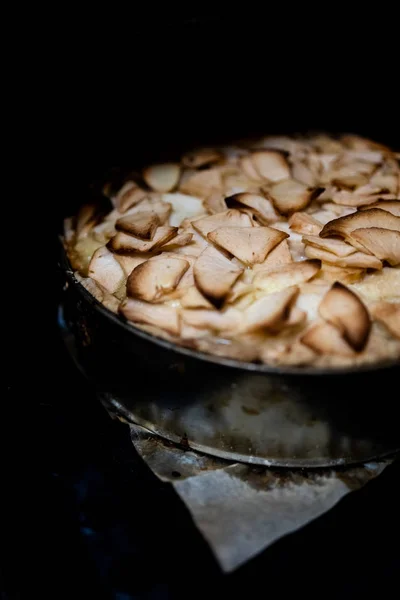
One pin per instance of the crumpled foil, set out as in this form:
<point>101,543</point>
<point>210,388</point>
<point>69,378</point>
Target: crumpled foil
<point>241,509</point>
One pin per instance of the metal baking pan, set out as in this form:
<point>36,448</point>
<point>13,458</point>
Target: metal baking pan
<point>199,93</point>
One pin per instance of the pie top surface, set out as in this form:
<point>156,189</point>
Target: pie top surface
<point>284,251</point>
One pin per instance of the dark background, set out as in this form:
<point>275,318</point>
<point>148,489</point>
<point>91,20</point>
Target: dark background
<point>82,516</point>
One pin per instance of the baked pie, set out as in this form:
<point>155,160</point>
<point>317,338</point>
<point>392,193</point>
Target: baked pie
<point>284,251</point>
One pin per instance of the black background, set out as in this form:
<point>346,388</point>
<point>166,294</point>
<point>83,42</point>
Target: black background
<point>82,515</point>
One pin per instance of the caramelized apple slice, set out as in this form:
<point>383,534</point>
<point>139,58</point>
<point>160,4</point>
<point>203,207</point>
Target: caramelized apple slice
<point>270,165</point>
<point>304,223</point>
<point>142,225</point>
<point>259,205</point>
<point>383,243</point>
<point>289,196</point>
<point>392,206</point>
<point>123,243</point>
<point>201,158</point>
<point>130,198</point>
<point>357,259</point>
<point>270,311</point>
<point>106,270</point>
<point>249,244</point>
<point>229,218</point>
<point>155,277</point>
<point>214,274</point>
<point>249,169</point>
<point>226,322</point>
<point>324,338</point>
<point>343,274</point>
<point>162,315</point>
<point>344,226</point>
<point>388,313</point>
<point>330,245</point>
<point>194,299</point>
<point>344,309</point>
<point>181,240</point>
<point>162,178</point>
<point>280,255</point>
<point>286,275</point>
<point>202,183</point>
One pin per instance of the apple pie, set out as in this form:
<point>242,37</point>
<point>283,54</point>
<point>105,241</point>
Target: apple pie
<point>283,250</point>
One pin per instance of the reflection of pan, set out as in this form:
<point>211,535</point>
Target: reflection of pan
<point>241,411</point>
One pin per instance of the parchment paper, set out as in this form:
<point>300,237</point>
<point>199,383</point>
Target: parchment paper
<point>240,509</point>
